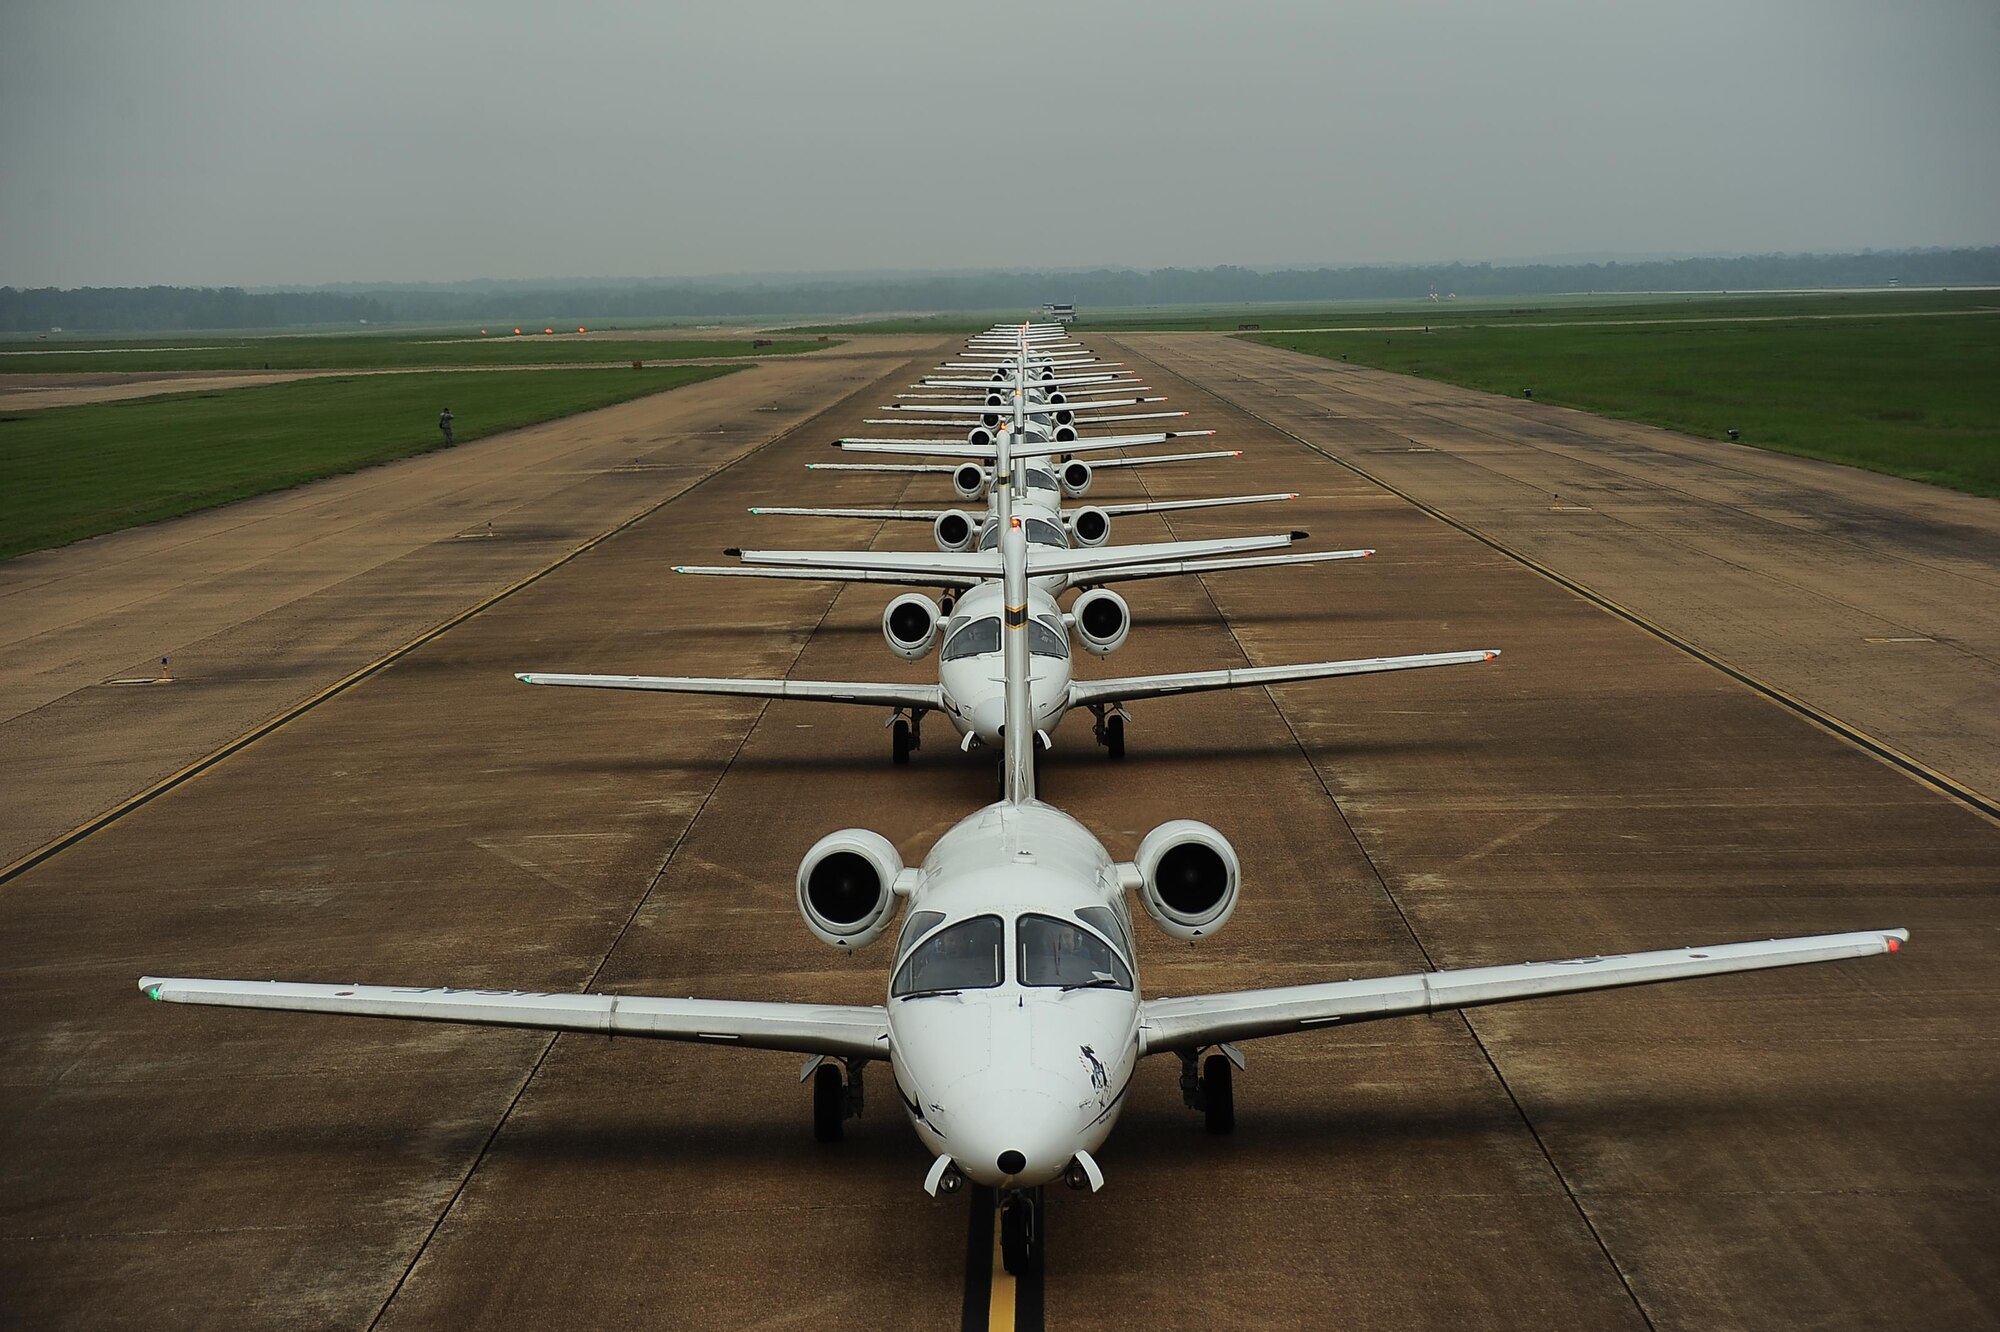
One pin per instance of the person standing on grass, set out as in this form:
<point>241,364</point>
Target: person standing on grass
<point>444,424</point>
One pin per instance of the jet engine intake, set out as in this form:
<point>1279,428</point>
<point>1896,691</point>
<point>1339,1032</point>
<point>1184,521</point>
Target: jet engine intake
<point>979,437</point>
<point>969,480</point>
<point>954,529</point>
<point>1090,527</point>
<point>1066,434</point>
<point>1189,878</point>
<point>910,624</point>
<point>1076,476</point>
<point>847,887</point>
<point>1102,621</point>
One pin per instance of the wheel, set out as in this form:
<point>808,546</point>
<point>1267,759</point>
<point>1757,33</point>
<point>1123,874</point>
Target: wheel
<point>829,1103</point>
<point>1114,736</point>
<point>1218,1093</point>
<point>1017,1234</point>
<point>899,742</point>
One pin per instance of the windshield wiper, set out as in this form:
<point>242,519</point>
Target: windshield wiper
<point>931,994</point>
<point>1098,981</point>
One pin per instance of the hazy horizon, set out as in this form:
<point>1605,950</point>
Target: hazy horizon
<point>219,143</point>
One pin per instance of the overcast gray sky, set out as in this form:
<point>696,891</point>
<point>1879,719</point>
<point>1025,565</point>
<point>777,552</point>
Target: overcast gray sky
<point>217,142</point>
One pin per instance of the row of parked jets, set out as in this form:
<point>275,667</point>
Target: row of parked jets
<point>1014,1021</point>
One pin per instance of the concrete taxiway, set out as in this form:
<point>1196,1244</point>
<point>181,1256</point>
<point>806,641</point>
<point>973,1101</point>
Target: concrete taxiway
<point>1799,1148</point>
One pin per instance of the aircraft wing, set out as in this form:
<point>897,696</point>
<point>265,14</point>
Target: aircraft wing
<point>1043,561</point>
<point>1141,461</point>
<point>885,515</point>
<point>1175,506</point>
<point>911,578</point>
<point>1131,573</point>
<point>1040,448</point>
<point>1032,409</point>
<point>817,691</point>
<point>1083,692</point>
<point>942,469</point>
<point>929,564</point>
<point>843,1031</point>
<point>1210,1019</point>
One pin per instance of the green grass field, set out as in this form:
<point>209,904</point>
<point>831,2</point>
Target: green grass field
<point>72,472</point>
<point>1912,397</point>
<point>366,352</point>
<point>1418,313</point>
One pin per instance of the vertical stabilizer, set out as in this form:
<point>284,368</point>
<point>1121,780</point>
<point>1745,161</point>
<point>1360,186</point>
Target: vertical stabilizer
<point>1018,733</point>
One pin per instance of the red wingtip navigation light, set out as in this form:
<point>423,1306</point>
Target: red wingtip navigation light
<point>579,328</point>
<point>548,330</point>
<point>1894,943</point>
<point>517,332</point>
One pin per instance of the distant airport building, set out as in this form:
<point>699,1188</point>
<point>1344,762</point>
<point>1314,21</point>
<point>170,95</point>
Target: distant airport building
<point>1062,313</point>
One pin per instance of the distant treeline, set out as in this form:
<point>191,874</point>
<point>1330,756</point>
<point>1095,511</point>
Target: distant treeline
<point>126,309</point>
<point>174,308</point>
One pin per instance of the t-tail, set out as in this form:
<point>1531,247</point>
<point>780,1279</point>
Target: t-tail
<point>1017,734</point>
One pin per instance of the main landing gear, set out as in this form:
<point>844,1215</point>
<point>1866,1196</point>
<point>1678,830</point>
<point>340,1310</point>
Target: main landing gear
<point>906,736</point>
<point>835,1099</point>
<point>1108,724</point>
<point>1209,1085</point>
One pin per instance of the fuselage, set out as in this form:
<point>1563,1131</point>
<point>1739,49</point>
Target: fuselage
<point>1013,1002</point>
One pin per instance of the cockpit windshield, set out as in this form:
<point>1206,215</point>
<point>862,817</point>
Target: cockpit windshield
<point>1038,479</point>
<point>1040,532</point>
<point>982,637</point>
<point>1062,952</point>
<point>973,638</point>
<point>965,956</point>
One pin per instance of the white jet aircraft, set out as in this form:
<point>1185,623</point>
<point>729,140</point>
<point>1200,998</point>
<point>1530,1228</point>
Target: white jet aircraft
<point>1013,1022</point>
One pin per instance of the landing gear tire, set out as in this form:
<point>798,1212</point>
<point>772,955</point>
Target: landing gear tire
<point>899,742</point>
<point>1019,1232</point>
<point>829,1103</point>
<point>1114,736</point>
<point>1218,1094</point>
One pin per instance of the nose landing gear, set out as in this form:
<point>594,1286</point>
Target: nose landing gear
<point>1021,1232</point>
<point>835,1099</point>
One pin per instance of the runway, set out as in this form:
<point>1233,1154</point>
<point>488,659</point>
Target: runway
<point>1797,1148</point>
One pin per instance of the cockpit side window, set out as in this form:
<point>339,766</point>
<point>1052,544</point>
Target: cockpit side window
<point>1041,480</point>
<point>973,638</point>
<point>1046,639</point>
<point>1061,952</point>
<point>965,956</point>
<point>1042,532</point>
<point>916,927</point>
<point>1107,923</point>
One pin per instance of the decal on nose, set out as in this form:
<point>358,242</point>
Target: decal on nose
<point>1011,1163</point>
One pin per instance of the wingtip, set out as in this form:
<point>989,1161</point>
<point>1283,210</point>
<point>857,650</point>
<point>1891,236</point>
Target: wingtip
<point>1493,655</point>
<point>734,551</point>
<point>1298,535</point>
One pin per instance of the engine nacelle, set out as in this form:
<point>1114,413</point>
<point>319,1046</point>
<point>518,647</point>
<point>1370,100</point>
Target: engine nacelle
<point>1056,395</point>
<point>995,400</point>
<point>979,437</point>
<point>1075,477</point>
<point>1102,621</point>
<point>1090,527</point>
<point>910,624</point>
<point>1189,875</point>
<point>847,887</point>
<point>954,529</point>
<point>1063,418</point>
<point>969,480</point>
<point>1066,434</point>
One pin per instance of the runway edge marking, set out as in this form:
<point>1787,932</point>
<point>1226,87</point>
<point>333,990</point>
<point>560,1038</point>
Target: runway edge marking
<point>55,847</point>
<point>1910,766</point>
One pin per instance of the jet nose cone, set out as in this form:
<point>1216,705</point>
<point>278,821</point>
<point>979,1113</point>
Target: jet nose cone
<point>1015,1138</point>
<point>988,716</point>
